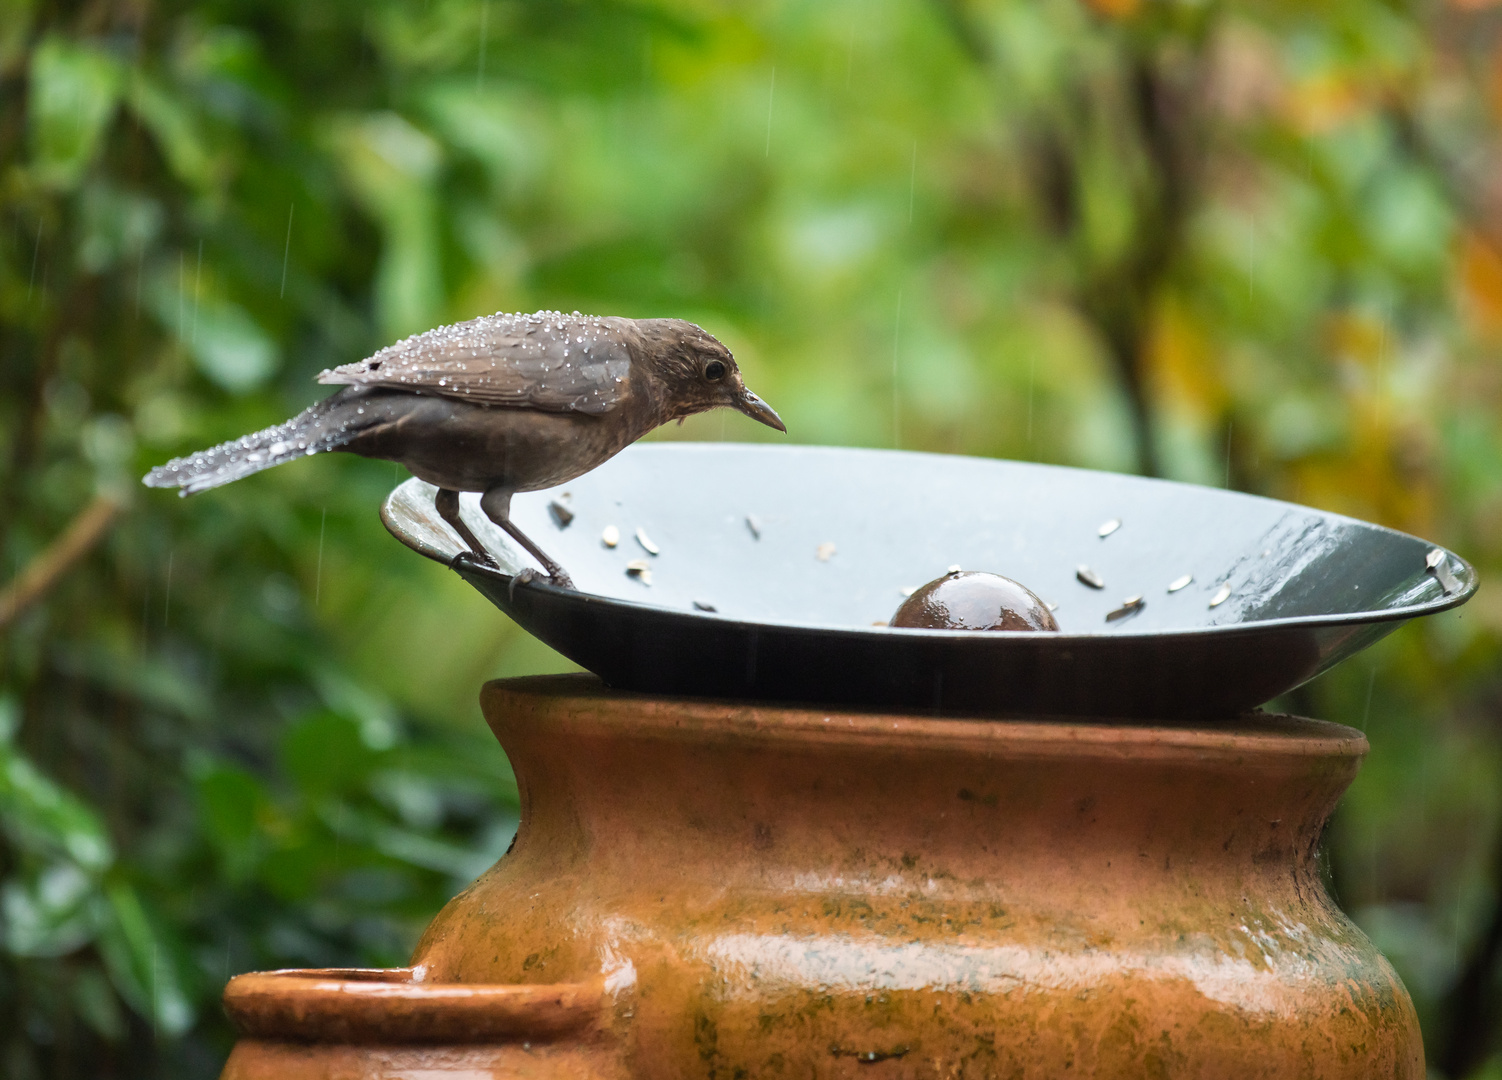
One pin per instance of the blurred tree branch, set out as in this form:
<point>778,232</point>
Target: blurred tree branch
<point>43,573</point>
<point>1117,294</point>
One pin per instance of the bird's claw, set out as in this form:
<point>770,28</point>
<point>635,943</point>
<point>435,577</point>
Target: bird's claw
<point>521,577</point>
<point>478,558</point>
<point>527,575</point>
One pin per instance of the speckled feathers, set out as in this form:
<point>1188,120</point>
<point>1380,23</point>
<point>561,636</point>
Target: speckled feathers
<point>548,360</point>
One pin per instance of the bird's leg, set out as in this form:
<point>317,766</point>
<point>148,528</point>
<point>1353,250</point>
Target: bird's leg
<point>497,506</point>
<point>446,502</point>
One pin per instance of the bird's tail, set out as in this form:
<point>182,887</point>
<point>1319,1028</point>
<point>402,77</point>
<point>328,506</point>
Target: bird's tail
<point>327,425</point>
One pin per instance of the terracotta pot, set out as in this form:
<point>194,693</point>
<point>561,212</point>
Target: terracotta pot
<point>731,890</point>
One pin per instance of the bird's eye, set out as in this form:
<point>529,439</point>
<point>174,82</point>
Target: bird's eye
<point>715,369</point>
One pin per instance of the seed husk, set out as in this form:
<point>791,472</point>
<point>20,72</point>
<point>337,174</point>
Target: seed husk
<point>824,552</point>
<point>1222,594</point>
<point>1130,606</point>
<point>1108,528</point>
<point>646,542</point>
<point>1438,565</point>
<point>1180,583</point>
<point>562,515</point>
<point>704,605</point>
<point>1089,577</point>
<point>753,523</point>
<point>641,570</point>
<point>611,536</point>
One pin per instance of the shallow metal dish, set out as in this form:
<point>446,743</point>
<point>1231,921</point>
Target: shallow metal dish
<point>842,532</point>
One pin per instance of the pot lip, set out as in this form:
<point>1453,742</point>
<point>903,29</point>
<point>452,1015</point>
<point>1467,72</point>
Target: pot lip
<point>580,704</point>
<point>397,1005</point>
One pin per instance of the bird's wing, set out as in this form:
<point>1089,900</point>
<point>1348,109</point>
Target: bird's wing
<point>547,360</point>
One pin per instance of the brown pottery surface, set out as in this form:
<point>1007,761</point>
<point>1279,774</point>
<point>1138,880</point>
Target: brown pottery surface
<point>720,889</point>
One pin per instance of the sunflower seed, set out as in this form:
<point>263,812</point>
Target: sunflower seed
<point>646,542</point>
<point>562,515</point>
<point>1180,583</point>
<point>824,552</point>
<point>754,524</point>
<point>1108,528</point>
<point>1222,594</point>
<point>611,536</point>
<point>1130,606</point>
<point>1439,566</point>
<point>1089,577</point>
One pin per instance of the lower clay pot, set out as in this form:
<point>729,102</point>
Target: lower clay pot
<point>729,890</point>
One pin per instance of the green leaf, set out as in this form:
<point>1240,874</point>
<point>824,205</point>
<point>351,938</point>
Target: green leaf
<point>226,344</point>
<point>51,913</point>
<point>326,755</point>
<point>175,130</point>
<point>98,1005</point>
<point>230,348</point>
<point>44,819</point>
<point>72,95</point>
<point>391,167</point>
<point>142,964</point>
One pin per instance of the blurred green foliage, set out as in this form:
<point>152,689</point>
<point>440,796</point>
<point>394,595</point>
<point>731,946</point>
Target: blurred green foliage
<point>1235,243</point>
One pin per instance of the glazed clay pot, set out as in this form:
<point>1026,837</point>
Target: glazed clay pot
<point>732,890</point>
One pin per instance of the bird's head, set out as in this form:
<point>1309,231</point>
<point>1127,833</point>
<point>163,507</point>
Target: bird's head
<point>693,372</point>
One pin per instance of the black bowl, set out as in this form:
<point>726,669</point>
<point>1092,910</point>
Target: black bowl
<point>803,552</point>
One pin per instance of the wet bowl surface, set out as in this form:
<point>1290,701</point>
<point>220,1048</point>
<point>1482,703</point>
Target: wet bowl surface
<point>800,550</point>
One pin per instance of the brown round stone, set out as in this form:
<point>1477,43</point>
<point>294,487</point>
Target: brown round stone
<point>973,600</point>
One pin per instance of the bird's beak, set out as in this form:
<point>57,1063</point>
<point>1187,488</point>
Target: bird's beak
<point>757,409</point>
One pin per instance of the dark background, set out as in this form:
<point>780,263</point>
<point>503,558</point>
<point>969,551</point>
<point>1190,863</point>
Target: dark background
<point>1255,245</point>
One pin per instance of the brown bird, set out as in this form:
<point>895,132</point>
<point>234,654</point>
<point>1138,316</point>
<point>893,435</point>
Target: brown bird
<point>499,404</point>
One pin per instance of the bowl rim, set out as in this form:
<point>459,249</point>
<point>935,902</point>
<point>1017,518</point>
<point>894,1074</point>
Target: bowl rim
<point>1466,573</point>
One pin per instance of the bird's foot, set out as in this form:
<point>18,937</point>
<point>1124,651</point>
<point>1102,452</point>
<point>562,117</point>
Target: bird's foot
<point>479,558</point>
<point>526,575</point>
<point>560,579</point>
<point>521,577</point>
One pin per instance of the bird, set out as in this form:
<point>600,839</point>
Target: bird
<point>499,404</point>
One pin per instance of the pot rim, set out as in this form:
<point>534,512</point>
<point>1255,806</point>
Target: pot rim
<point>1258,735</point>
<point>396,1005</point>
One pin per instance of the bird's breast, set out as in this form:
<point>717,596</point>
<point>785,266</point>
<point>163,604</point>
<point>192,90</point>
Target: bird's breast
<point>467,447</point>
